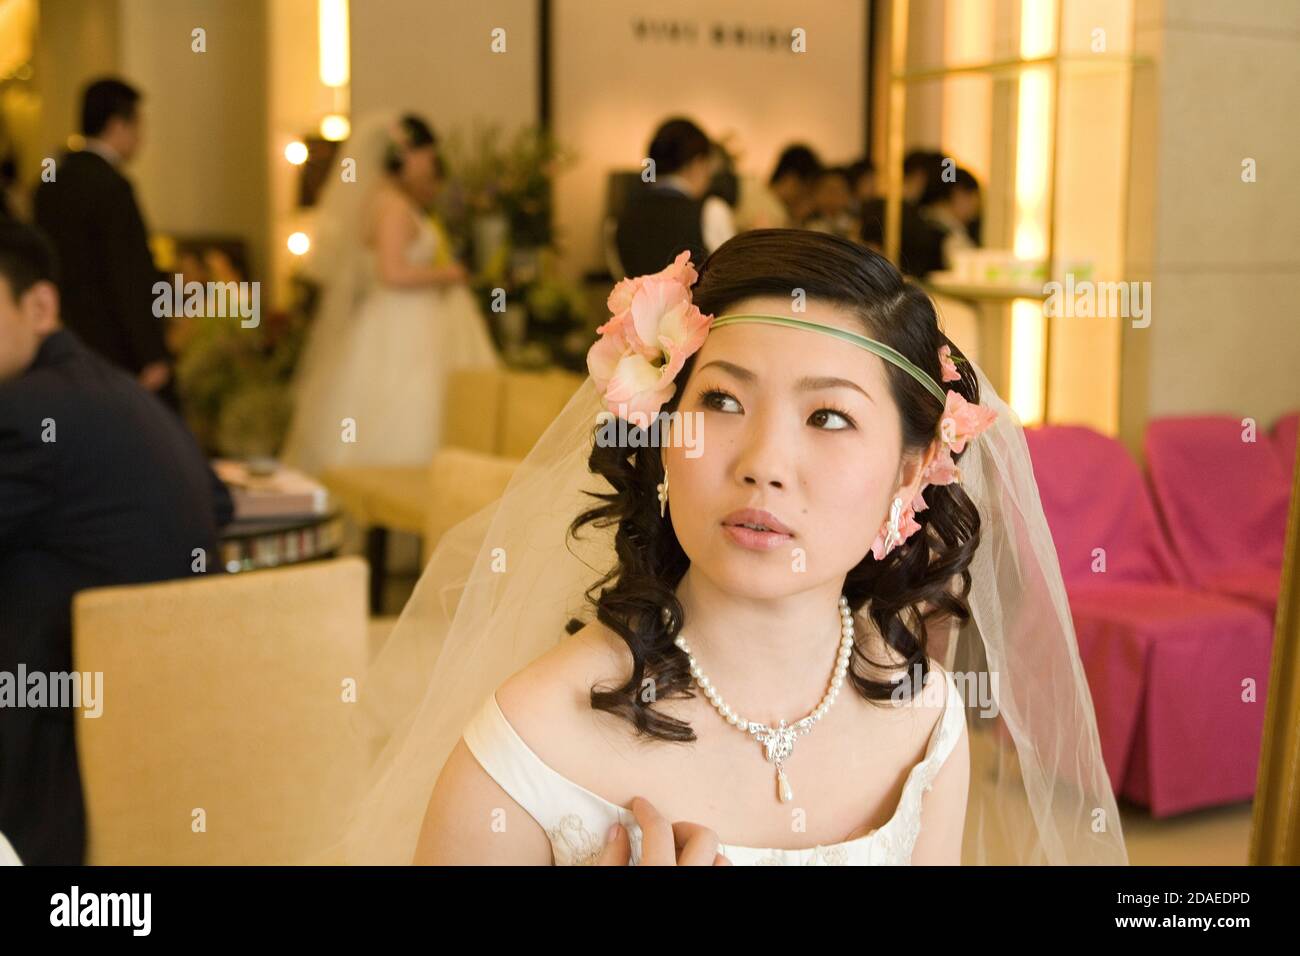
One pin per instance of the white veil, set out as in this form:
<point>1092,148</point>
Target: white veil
<point>337,263</point>
<point>1039,791</point>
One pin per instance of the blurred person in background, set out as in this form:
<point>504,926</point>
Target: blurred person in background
<point>786,199</point>
<point>90,212</point>
<point>676,210</point>
<point>100,484</point>
<point>920,242</point>
<point>862,179</point>
<point>833,203</point>
<point>396,314</point>
<point>953,208</point>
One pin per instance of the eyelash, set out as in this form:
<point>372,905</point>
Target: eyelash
<point>708,395</point>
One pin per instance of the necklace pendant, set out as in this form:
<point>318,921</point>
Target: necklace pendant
<point>783,791</point>
<point>778,743</point>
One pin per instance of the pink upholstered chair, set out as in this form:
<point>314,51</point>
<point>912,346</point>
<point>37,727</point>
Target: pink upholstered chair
<point>1165,661</point>
<point>1223,504</point>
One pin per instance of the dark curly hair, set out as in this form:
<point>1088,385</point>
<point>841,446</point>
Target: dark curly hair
<point>905,593</point>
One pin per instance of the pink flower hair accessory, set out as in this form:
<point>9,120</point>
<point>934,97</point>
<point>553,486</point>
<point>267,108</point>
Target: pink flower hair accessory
<point>960,423</point>
<point>654,329</point>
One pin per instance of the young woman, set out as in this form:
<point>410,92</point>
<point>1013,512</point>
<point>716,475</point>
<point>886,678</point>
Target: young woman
<point>396,314</point>
<point>804,620</point>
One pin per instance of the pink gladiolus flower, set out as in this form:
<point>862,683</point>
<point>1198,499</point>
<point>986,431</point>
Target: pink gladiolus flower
<point>644,346</point>
<point>962,421</point>
<point>942,470</point>
<point>681,270</point>
<point>950,373</point>
<point>907,526</point>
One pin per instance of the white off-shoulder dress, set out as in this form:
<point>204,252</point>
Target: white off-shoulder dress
<point>576,820</point>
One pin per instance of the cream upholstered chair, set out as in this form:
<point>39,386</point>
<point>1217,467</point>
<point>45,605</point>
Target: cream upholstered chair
<point>492,411</point>
<point>461,483</point>
<point>224,704</point>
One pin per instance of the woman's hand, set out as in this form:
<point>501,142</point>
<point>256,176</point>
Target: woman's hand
<point>662,843</point>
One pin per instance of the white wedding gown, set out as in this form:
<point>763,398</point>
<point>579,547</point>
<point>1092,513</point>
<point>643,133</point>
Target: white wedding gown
<point>388,370</point>
<point>575,819</point>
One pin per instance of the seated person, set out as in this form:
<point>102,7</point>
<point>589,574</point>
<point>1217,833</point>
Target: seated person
<point>833,204</point>
<point>100,484</point>
<point>955,206</point>
<point>920,241</point>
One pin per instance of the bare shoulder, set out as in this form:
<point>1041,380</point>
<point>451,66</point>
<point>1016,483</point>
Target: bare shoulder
<point>389,209</point>
<point>553,691</point>
<point>471,820</point>
<point>547,703</point>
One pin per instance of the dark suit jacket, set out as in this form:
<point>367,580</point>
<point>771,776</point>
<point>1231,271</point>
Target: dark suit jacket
<point>106,286</point>
<point>121,495</point>
<point>657,224</point>
<point>921,244</point>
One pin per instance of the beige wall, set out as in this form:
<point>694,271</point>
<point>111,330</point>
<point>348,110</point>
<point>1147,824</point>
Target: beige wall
<point>202,168</point>
<point>1225,255</point>
<point>434,57</point>
<point>77,41</point>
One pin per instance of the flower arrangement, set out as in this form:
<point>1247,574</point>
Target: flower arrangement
<point>235,382</point>
<point>489,174</point>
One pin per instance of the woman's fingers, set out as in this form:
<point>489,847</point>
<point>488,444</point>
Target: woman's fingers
<point>663,843</point>
<point>657,845</point>
<point>618,848</point>
<point>696,844</point>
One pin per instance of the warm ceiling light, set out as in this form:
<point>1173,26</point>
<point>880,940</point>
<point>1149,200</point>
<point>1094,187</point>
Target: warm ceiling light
<point>332,22</point>
<point>296,152</point>
<point>335,128</point>
<point>299,243</point>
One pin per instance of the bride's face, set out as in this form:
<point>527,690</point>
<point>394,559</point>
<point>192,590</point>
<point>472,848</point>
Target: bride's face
<point>795,423</point>
<point>419,172</point>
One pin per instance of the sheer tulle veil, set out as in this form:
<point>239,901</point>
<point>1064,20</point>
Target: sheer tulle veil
<point>336,263</point>
<point>500,587</point>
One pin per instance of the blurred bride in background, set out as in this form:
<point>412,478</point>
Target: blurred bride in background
<point>395,312</point>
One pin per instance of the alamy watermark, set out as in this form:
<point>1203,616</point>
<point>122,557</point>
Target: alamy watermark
<point>976,689</point>
<point>629,429</point>
<point>1084,298</point>
<point>54,689</point>
<point>214,300</point>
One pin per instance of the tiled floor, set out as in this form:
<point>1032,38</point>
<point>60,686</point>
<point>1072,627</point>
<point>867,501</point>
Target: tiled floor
<point>1216,837</point>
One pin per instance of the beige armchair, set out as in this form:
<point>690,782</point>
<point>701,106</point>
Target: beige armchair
<point>492,413</point>
<point>227,734</point>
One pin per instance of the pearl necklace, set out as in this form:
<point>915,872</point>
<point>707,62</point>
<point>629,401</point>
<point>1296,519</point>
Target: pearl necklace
<point>778,742</point>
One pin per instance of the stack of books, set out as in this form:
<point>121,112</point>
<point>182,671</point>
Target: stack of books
<point>282,516</point>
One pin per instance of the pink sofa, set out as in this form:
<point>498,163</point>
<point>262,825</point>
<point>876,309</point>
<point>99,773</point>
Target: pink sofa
<point>1165,659</point>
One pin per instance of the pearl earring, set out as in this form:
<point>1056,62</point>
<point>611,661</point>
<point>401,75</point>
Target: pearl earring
<point>662,488</point>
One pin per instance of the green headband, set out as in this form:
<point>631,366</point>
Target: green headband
<point>871,345</point>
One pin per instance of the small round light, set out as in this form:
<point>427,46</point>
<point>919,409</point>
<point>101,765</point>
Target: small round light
<point>299,243</point>
<point>296,152</point>
<point>335,128</point>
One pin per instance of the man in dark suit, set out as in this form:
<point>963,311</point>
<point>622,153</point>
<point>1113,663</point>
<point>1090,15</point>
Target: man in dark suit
<point>90,212</point>
<point>100,484</point>
<point>920,242</point>
<point>666,216</point>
